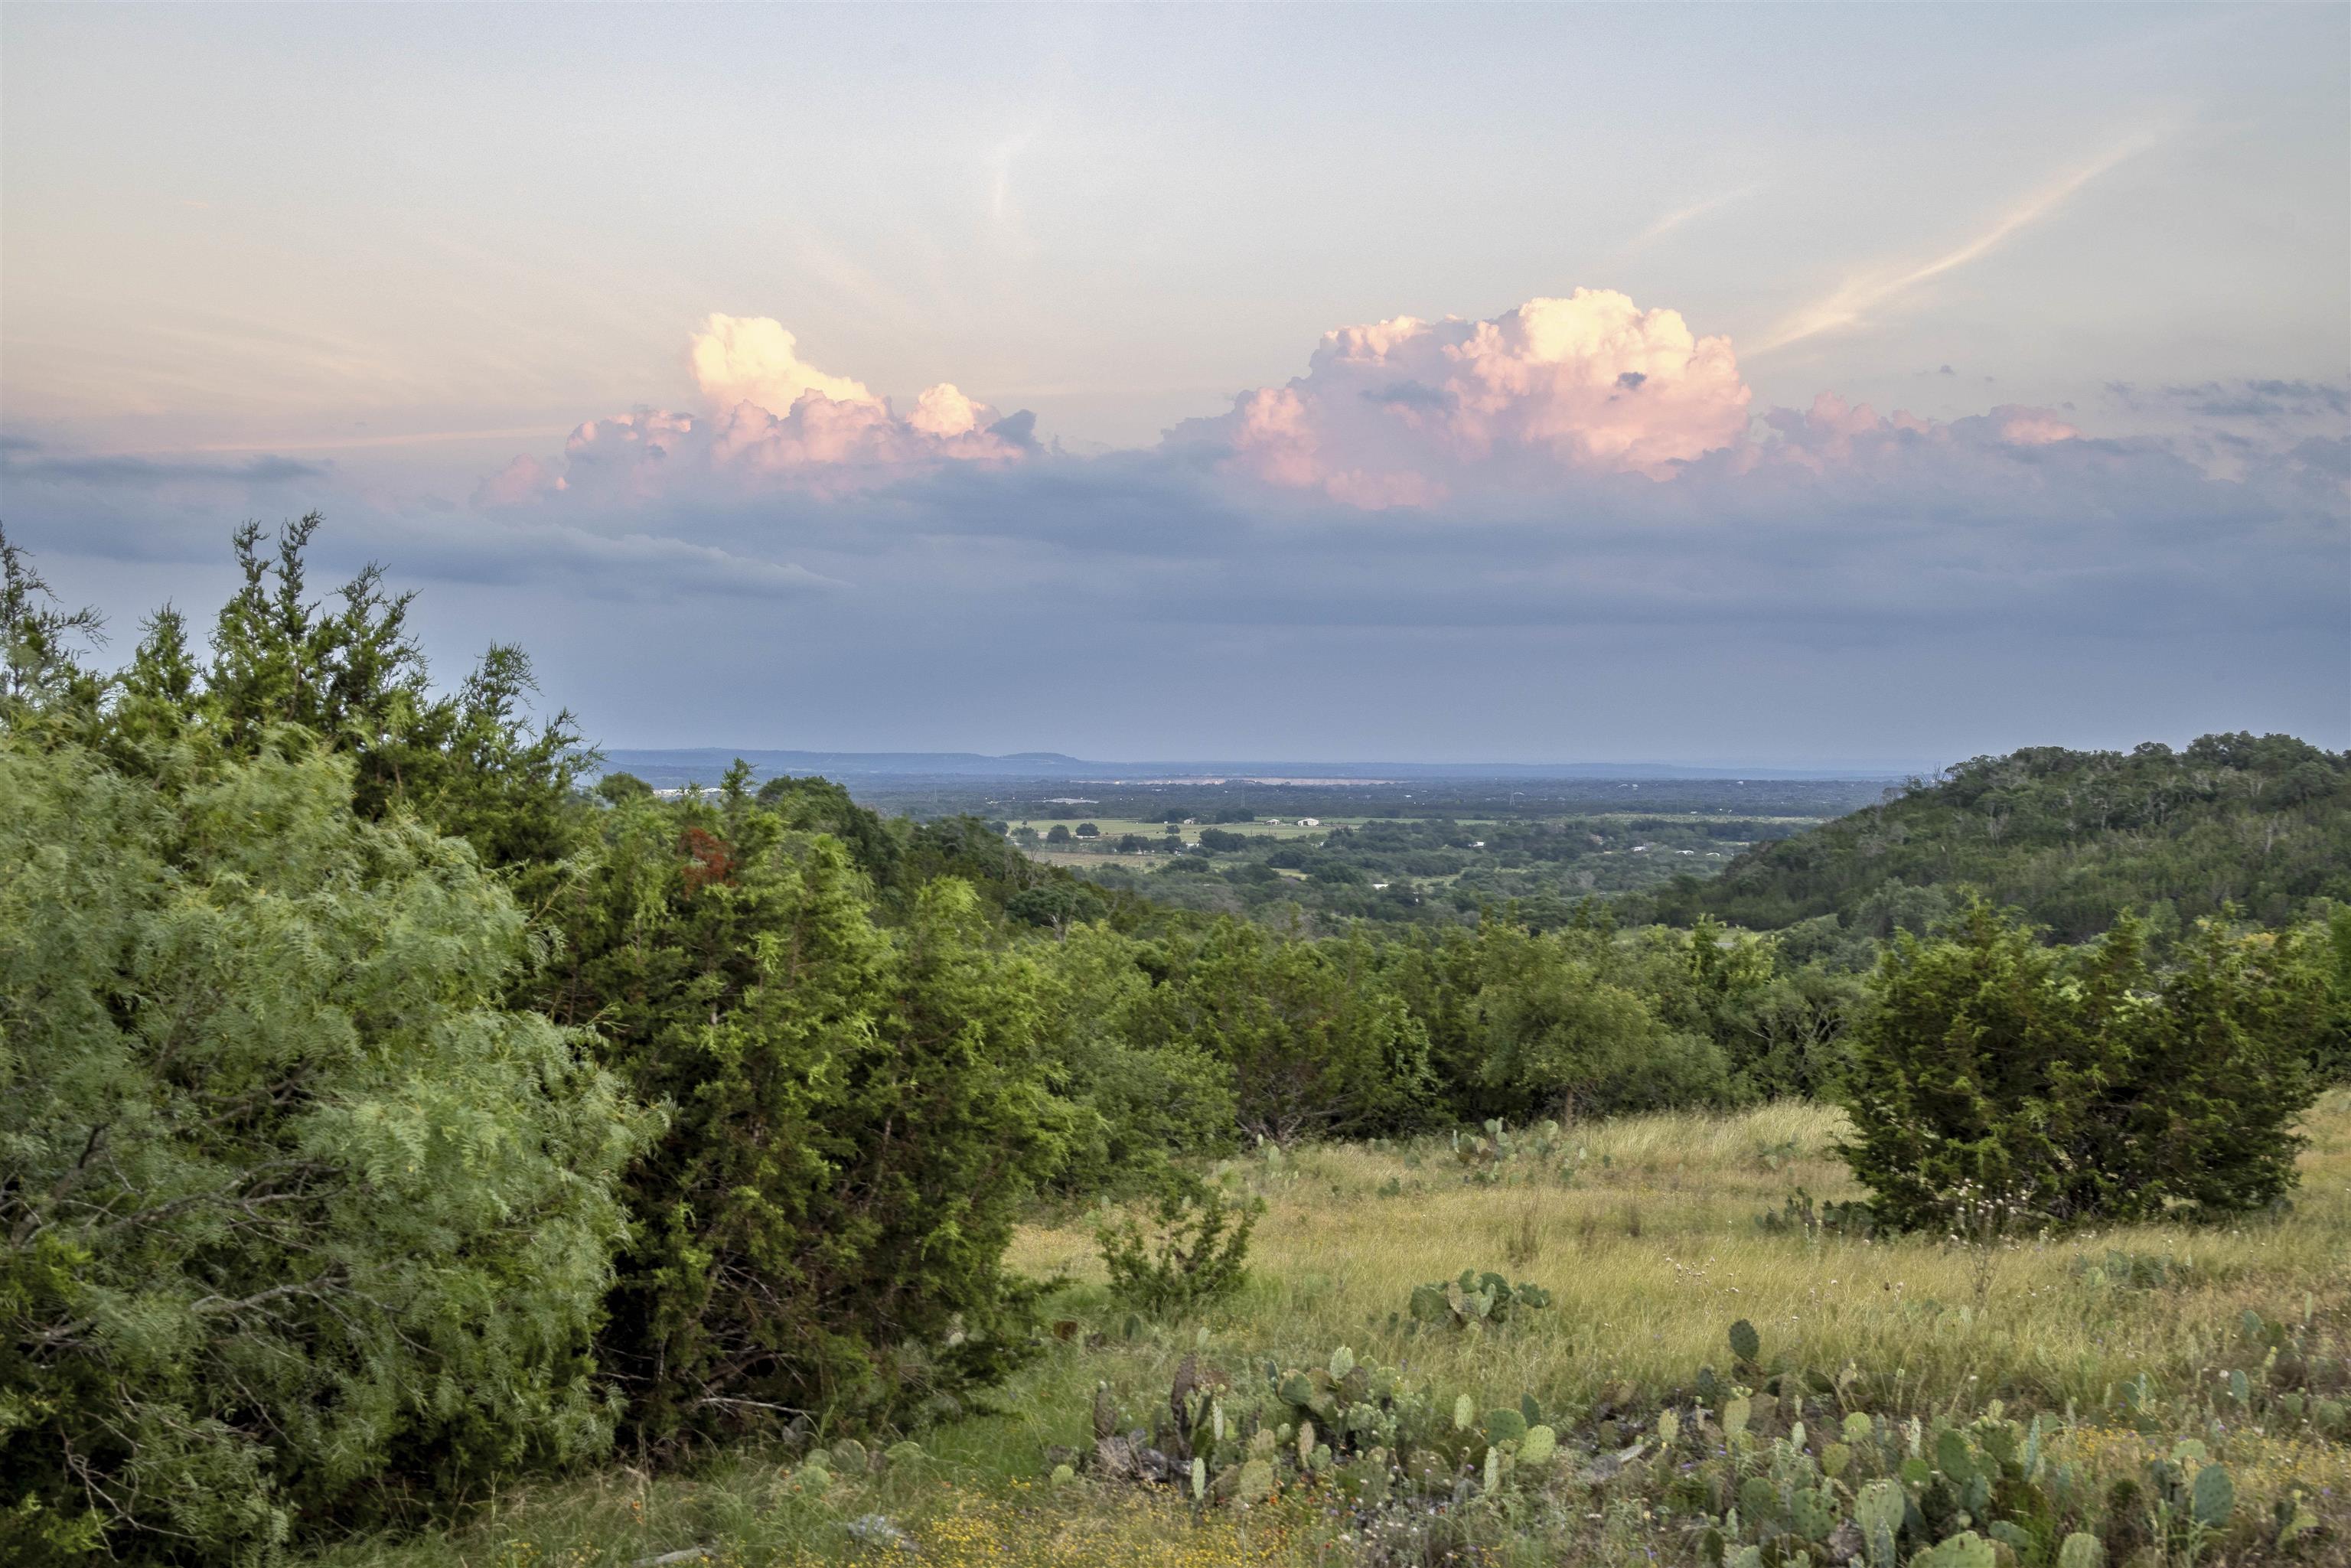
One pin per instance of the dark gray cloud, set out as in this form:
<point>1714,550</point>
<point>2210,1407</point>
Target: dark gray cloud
<point>124,471</point>
<point>2263,399</point>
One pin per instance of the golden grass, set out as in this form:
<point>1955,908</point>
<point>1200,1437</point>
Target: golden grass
<point>1650,1254</point>
<point>1654,1250</point>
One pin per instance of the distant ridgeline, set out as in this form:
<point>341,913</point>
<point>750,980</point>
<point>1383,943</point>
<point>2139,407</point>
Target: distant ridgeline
<point>2074,838</point>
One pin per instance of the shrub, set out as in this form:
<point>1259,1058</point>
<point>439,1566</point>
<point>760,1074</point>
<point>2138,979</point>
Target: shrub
<point>1196,1254</point>
<point>1998,1083</point>
<point>297,1218</point>
<point>1133,1106</point>
<point>1315,1042</point>
<point>860,1110</point>
<point>1561,1038</point>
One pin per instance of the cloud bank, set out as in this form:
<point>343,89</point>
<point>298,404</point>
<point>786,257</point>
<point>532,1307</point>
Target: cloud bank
<point>1579,399</point>
<point>1547,533</point>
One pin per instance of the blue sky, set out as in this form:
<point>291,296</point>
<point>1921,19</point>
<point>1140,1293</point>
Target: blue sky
<point>1945,379</point>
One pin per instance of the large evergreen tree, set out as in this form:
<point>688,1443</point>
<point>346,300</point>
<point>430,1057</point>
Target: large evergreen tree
<point>859,1110</point>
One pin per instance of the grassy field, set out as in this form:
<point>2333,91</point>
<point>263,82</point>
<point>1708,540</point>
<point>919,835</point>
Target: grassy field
<point>1645,1233</point>
<point>1096,852</point>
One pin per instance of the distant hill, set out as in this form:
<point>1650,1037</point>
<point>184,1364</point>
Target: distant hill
<point>2074,838</point>
<point>708,764</point>
<point>705,765</point>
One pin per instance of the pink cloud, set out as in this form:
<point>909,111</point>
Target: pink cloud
<point>751,359</point>
<point>1400,413</point>
<point>2033,427</point>
<point>1590,383</point>
<point>769,416</point>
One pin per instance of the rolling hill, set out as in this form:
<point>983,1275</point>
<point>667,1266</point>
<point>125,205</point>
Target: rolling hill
<point>2074,838</point>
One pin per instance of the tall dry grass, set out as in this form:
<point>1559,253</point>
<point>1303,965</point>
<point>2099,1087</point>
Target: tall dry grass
<point>1654,1249</point>
<point>1650,1253</point>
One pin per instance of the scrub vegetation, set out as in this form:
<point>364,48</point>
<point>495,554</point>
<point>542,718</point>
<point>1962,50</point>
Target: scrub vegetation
<point>420,1147</point>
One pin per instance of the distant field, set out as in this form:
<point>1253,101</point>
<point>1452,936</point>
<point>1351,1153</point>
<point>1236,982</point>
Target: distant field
<point>1114,827</point>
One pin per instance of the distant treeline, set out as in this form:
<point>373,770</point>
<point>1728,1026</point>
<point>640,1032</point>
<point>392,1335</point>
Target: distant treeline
<point>1469,799</point>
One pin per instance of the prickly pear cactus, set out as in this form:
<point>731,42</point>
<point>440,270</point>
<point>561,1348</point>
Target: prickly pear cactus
<point>1538,1446</point>
<point>1965,1550</point>
<point>2214,1496</point>
<point>2082,1550</point>
<point>1879,1511</point>
<point>1745,1342</point>
<point>1811,1515</point>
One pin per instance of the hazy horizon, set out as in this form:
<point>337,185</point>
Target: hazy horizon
<point>1500,768</point>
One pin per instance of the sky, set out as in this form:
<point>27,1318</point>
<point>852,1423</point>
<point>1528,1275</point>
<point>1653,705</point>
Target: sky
<point>1447,383</point>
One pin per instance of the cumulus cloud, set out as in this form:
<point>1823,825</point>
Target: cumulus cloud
<point>768,417</point>
<point>1566,408</point>
<point>1398,412</point>
<point>751,359</point>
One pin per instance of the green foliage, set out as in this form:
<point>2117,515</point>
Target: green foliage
<point>2076,839</point>
<point>1563,1035</point>
<point>42,680</point>
<point>1799,1215</point>
<point>860,1072</point>
<point>1502,1156</point>
<point>1998,1085</point>
<point>300,1221</point>
<point>1134,1105</point>
<point>859,1110</point>
<point>352,677</point>
<point>1314,1043</point>
<point>1196,1254</point>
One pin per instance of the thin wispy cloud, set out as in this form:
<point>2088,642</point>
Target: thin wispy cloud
<point>1003,208</point>
<point>1676,219</point>
<point>1854,300</point>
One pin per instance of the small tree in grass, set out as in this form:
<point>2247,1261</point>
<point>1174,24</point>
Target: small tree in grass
<point>2000,1084</point>
<point>1197,1253</point>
